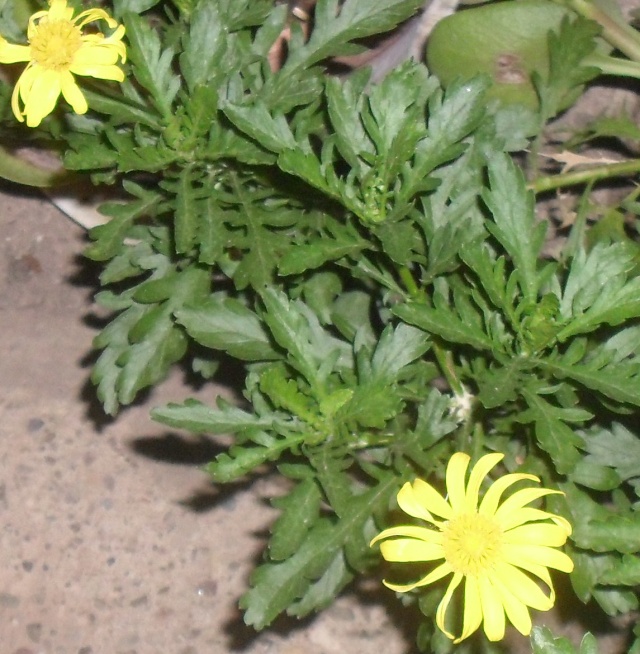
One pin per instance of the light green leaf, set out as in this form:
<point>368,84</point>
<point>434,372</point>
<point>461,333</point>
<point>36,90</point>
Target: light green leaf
<point>271,132</point>
<point>512,207</point>
<point>617,532</point>
<point>444,322</point>
<point>200,418</point>
<point>228,325</point>
<point>300,510</point>
<point>552,432</point>
<point>242,459</point>
<point>204,44</point>
<point>152,65</point>
<point>597,290</point>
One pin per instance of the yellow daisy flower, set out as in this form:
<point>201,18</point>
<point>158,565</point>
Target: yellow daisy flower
<point>494,547</point>
<point>58,49</point>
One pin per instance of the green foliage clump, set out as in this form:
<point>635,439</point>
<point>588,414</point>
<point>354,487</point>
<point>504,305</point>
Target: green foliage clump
<point>370,256</point>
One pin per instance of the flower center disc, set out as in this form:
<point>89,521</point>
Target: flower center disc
<point>55,43</point>
<point>472,543</point>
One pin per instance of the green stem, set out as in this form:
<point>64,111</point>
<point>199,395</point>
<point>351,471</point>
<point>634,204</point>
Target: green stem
<point>445,360</point>
<point>409,282</point>
<point>620,35</point>
<point>594,174</point>
<point>614,65</point>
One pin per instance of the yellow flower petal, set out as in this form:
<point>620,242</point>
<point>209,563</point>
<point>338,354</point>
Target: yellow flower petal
<point>544,556</point>
<point>536,534</point>
<point>95,55</point>
<point>11,54</point>
<point>519,500</point>
<point>456,471</point>
<point>72,94</point>
<point>58,10</point>
<point>41,97</point>
<point>493,495</point>
<point>410,550</point>
<point>492,610</point>
<point>523,588</point>
<point>113,73</point>
<point>409,531</point>
<point>528,514</point>
<point>437,574</point>
<point>516,610</point>
<point>427,496</point>
<point>411,504</point>
<point>477,476</point>
<point>472,618</point>
<point>92,15</point>
<point>441,612</point>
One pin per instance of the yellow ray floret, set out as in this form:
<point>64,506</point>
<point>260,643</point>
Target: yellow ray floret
<point>494,549</point>
<point>59,49</point>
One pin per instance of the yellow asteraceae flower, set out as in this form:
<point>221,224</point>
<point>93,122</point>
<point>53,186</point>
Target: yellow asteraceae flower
<point>493,547</point>
<point>57,51</point>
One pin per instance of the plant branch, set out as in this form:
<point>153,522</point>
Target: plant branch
<point>595,174</point>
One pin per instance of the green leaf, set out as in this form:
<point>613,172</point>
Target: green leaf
<point>344,241</point>
<point>205,45</point>
<point>125,367</point>
<point>288,585</point>
<point>228,325</point>
<point>512,208</point>
<point>396,349</point>
<point>298,332</point>
<point>617,382</point>
<point>598,291</point>
<point>120,7</point>
<point>344,103</point>
<point>544,642</point>
<point>433,423</point>
<point>152,66</point>
<point>616,448</point>
<point>626,573</point>
<point>241,459</point>
<point>335,26</point>
<point>108,238</point>
<point>595,476</point>
<point>552,432</point>
<point>324,591</point>
<point>372,405</point>
<point>616,601</point>
<point>142,343</point>
<point>617,532</point>
<point>120,109</point>
<point>271,132</point>
<point>300,510</point>
<point>464,326</point>
<point>284,394</point>
<point>186,214</point>
<point>200,418</point>
<point>575,40</point>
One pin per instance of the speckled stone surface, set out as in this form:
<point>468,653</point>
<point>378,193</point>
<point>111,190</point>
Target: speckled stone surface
<point>112,539</point>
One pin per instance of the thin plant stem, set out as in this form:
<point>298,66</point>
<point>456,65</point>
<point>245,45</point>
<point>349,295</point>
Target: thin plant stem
<point>594,174</point>
<point>445,360</point>
<point>613,65</point>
